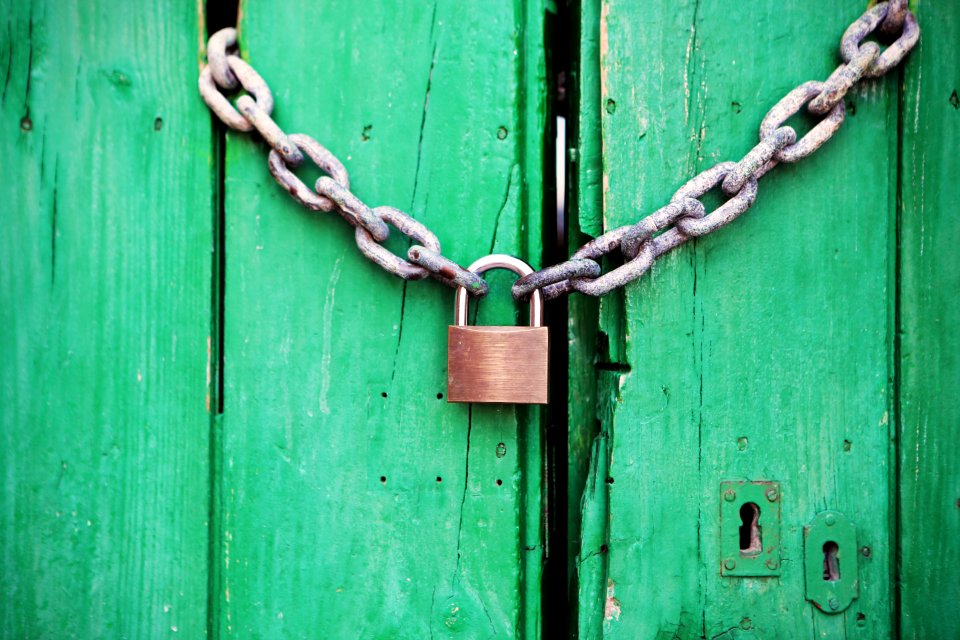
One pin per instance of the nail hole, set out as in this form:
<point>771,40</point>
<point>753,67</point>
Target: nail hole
<point>502,133</point>
<point>609,480</point>
<point>383,394</point>
<point>737,107</point>
<point>831,563</point>
<point>501,450</point>
<point>26,124</point>
<point>499,482</point>
<point>611,106</point>
<point>439,479</point>
<point>439,396</point>
<point>742,443</point>
<point>750,543</point>
<point>846,445</point>
<point>603,548</point>
<point>861,620</point>
<point>157,123</point>
<point>383,479</point>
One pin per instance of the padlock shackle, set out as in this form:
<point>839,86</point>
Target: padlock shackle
<point>499,261</point>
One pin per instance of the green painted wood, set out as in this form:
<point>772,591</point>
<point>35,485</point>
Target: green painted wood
<point>356,502</point>
<point>583,208</point>
<point>929,347</point>
<point>762,352</point>
<point>105,314</point>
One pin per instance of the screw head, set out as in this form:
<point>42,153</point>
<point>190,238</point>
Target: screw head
<point>865,551</point>
<point>772,563</point>
<point>729,564</point>
<point>729,495</point>
<point>834,604</point>
<point>830,519</point>
<point>772,494</point>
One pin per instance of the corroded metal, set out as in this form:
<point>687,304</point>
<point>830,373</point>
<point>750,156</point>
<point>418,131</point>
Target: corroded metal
<point>407,226</point>
<point>447,271</point>
<point>497,364</point>
<point>217,47</point>
<point>573,268</point>
<point>866,24</point>
<point>843,78</point>
<point>226,71</point>
<point>757,159</point>
<point>817,136</point>
<point>725,213</point>
<point>893,22</point>
<point>633,269</point>
<point>321,157</point>
<point>352,208</point>
<point>218,103</point>
<point>641,243</point>
<point>269,130</point>
<point>658,220</point>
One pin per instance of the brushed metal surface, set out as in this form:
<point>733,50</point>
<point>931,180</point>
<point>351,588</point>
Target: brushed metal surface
<point>497,364</point>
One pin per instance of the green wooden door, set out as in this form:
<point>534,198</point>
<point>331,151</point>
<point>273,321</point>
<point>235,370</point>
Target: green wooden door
<point>805,344</point>
<point>220,420</point>
<point>401,515</point>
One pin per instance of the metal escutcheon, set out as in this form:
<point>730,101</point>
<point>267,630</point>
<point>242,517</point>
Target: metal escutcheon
<point>497,364</point>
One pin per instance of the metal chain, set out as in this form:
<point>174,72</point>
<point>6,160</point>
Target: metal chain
<point>641,244</point>
<point>685,217</point>
<point>225,71</point>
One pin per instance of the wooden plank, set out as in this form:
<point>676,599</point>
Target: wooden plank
<point>105,308</point>
<point>749,354</point>
<point>355,500</point>
<point>584,210</point>
<point>929,347</point>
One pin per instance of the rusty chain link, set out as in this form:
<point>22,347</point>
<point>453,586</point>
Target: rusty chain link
<point>640,244</point>
<point>226,72</point>
<point>685,217</point>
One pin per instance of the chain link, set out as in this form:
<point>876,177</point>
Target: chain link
<point>325,161</point>
<point>789,105</point>
<point>226,72</point>
<point>642,243</point>
<point>410,228</point>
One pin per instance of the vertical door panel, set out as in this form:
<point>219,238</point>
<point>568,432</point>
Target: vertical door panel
<point>929,348</point>
<point>105,315</point>
<point>760,352</point>
<point>355,501</point>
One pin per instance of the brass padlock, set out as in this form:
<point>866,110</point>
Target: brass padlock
<point>497,364</point>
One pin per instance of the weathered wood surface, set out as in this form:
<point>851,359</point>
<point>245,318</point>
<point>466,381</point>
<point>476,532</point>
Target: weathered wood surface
<point>354,500</point>
<point>768,349</point>
<point>929,353</point>
<point>105,315</point>
<point>811,342</point>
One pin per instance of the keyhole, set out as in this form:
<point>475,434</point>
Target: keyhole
<point>750,543</point>
<point>831,563</point>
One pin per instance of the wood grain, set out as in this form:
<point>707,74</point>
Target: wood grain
<point>929,354</point>
<point>105,315</point>
<point>761,352</point>
<point>356,501</point>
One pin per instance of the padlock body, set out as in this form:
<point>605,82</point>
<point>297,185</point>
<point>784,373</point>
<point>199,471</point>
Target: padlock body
<point>497,364</point>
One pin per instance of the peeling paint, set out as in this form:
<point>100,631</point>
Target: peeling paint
<point>611,610</point>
